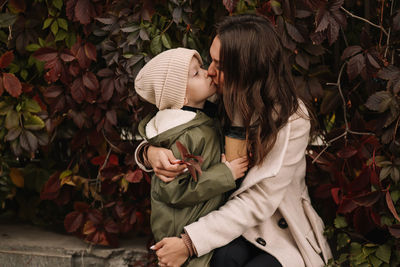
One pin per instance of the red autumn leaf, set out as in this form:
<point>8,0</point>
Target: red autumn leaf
<point>81,206</point>
<point>121,210</point>
<point>55,68</point>
<point>346,152</point>
<point>11,84</point>
<point>95,216</point>
<point>90,81</point>
<point>230,5</point>
<point>6,59</point>
<point>83,10</point>
<point>110,226</point>
<point>367,199</point>
<point>73,221</point>
<point>395,230</point>
<point>346,206</point>
<point>18,5</point>
<point>90,51</point>
<point>182,150</point>
<point>46,54</point>
<point>27,88</point>
<point>67,56</point>
<point>99,160</point>
<point>51,188</point>
<point>78,90</point>
<point>335,192</point>
<point>135,176</point>
<point>391,207</point>
<point>74,68</point>
<point>1,86</point>
<point>53,91</point>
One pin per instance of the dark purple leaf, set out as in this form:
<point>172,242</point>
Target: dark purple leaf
<point>53,91</point>
<point>294,32</point>
<point>111,116</point>
<point>355,66</point>
<point>90,81</point>
<point>13,133</point>
<point>379,101</point>
<point>107,88</point>
<point>303,60</point>
<point>28,141</point>
<point>78,90</point>
<point>351,51</point>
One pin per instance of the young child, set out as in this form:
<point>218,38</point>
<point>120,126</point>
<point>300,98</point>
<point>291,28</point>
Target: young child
<point>175,82</point>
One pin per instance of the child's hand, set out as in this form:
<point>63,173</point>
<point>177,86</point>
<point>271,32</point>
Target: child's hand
<point>238,166</point>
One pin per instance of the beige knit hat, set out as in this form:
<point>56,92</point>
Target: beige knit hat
<point>163,80</point>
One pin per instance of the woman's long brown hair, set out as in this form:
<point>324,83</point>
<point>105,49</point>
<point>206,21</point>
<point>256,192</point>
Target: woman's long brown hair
<point>258,83</point>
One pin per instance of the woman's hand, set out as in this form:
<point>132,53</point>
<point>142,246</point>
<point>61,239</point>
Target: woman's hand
<point>171,252</point>
<point>238,166</point>
<point>164,163</point>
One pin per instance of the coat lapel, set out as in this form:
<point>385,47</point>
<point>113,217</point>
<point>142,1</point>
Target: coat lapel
<point>271,164</point>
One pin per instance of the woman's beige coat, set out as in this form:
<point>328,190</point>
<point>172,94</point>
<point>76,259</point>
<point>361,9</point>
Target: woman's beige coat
<point>272,208</point>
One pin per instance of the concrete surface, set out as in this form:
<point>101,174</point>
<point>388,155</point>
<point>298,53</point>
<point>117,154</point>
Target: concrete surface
<point>26,245</point>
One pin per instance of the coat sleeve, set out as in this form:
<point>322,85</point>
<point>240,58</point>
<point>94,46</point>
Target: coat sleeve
<point>215,180</point>
<point>257,203</point>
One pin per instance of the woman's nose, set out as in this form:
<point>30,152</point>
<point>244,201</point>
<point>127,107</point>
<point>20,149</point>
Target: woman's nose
<point>211,70</point>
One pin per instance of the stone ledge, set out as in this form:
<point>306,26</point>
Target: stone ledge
<point>26,245</point>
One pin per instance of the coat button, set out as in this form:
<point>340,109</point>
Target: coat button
<point>261,241</point>
<point>282,223</point>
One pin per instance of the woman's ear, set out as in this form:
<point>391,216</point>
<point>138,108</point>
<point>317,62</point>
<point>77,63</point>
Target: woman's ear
<point>185,101</point>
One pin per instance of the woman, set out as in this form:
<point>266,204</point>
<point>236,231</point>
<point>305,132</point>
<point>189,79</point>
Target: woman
<point>268,220</point>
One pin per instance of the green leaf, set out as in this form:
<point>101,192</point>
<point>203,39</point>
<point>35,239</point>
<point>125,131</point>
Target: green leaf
<point>71,39</point>
<point>32,47</point>
<point>54,27</point>
<point>342,240</point>
<point>395,195</point>
<point>30,105</point>
<point>375,261</point>
<point>47,23</point>
<point>62,23</point>
<point>340,222</point>
<point>33,122</point>
<point>61,35</point>
<point>383,252</point>
<point>58,4</point>
<point>41,42</point>
<point>155,45</point>
<point>5,107</point>
<point>385,172</point>
<point>166,41</point>
<point>12,119</point>
<point>24,74</point>
<point>7,19</point>
<point>65,173</point>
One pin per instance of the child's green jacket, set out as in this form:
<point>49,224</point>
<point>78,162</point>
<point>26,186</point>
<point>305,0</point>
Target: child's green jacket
<point>183,201</point>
